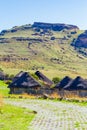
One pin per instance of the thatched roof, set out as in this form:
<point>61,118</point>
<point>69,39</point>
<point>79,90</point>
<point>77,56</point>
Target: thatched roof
<point>43,78</point>
<point>77,84</point>
<point>23,79</point>
<point>18,75</point>
<point>66,80</point>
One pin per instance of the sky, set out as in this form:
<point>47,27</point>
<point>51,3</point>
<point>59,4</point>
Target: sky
<point>21,12</point>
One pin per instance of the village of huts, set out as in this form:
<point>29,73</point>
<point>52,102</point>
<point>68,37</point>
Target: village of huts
<point>23,82</point>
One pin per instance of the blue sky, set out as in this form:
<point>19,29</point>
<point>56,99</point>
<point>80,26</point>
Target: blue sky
<point>20,12</point>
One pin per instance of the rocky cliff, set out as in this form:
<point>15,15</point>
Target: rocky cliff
<point>54,27</point>
<point>81,40</point>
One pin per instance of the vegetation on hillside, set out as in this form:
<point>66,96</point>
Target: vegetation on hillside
<point>30,49</point>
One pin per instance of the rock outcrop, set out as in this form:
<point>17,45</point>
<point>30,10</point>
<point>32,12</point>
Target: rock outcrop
<point>81,40</point>
<point>15,29</point>
<point>54,27</point>
<point>4,40</point>
<point>40,25</point>
<point>27,39</point>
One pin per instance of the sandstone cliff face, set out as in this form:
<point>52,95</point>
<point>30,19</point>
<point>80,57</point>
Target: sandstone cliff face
<point>81,40</point>
<point>54,27</point>
<point>40,25</point>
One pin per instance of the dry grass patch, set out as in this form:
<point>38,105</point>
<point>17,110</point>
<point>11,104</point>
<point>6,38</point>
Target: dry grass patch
<point>55,95</point>
<point>24,96</point>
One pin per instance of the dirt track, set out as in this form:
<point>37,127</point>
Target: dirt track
<point>54,115</point>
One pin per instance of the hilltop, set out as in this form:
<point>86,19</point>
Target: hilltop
<point>52,48</point>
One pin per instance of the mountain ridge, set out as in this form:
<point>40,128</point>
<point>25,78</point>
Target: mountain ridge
<point>42,25</point>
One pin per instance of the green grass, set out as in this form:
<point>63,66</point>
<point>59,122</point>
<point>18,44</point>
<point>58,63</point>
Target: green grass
<point>15,118</point>
<point>77,124</point>
<point>4,91</point>
<point>78,101</point>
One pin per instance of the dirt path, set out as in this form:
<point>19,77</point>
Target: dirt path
<point>54,115</point>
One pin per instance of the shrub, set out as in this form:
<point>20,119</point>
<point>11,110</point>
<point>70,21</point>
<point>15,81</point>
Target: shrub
<point>1,69</point>
<point>9,77</point>
<point>56,80</point>
<point>8,82</point>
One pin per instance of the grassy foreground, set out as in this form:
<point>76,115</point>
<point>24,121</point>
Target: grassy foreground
<point>4,90</point>
<point>11,117</point>
<point>15,118</point>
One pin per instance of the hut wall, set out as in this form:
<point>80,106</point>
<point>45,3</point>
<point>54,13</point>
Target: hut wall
<point>18,90</point>
<point>23,90</point>
<point>82,93</point>
<point>47,91</point>
<point>35,91</point>
<point>68,94</point>
<point>41,91</point>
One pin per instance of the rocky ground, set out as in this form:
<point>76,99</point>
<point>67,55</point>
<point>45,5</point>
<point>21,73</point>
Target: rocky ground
<point>54,115</point>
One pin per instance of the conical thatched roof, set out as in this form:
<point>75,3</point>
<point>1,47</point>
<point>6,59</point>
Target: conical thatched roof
<point>66,80</point>
<point>43,78</point>
<point>77,84</point>
<point>18,75</point>
<point>23,79</point>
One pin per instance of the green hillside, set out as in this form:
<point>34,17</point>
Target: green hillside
<point>30,48</point>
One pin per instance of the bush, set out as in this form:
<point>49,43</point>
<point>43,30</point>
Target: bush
<point>9,77</point>
<point>1,69</point>
<point>56,80</point>
<point>8,82</point>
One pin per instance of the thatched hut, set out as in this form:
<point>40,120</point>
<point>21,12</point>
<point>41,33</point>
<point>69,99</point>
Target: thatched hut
<point>66,80</point>
<point>70,87</point>
<point>79,85</point>
<point>23,83</point>
<point>59,88</point>
<point>42,77</point>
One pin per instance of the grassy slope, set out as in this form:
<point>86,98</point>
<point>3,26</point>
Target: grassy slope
<point>68,62</point>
